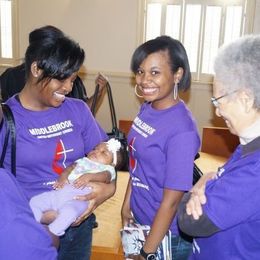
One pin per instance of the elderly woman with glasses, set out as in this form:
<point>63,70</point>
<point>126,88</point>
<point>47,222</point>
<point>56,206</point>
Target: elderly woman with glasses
<point>222,211</point>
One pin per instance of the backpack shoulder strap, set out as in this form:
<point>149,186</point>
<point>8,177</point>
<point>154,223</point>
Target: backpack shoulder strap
<point>10,131</point>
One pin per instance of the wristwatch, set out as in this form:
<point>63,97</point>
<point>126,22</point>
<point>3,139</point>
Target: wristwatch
<point>147,256</point>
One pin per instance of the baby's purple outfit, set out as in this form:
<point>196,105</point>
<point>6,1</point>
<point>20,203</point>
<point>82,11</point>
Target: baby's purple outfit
<point>62,201</point>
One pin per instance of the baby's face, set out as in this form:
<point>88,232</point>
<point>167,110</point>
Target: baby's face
<point>101,154</point>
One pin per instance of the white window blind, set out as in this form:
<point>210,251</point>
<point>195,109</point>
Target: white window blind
<point>6,31</point>
<point>201,25</point>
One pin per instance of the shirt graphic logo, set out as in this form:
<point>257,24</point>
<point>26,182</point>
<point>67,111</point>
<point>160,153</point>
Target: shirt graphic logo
<point>60,156</point>
<point>132,160</point>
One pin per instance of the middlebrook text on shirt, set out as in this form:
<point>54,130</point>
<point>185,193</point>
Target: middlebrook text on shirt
<point>52,130</point>
<point>146,129</point>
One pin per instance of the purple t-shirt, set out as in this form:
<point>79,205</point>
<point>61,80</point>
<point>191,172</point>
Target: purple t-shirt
<point>233,205</point>
<point>50,140</point>
<point>21,237</point>
<point>162,145</point>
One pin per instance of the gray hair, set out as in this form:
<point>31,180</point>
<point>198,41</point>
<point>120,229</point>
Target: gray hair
<point>237,66</point>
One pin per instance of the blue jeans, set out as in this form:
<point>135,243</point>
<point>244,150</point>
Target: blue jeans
<point>77,241</point>
<point>181,248</point>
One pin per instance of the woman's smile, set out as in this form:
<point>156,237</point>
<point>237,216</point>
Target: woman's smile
<point>149,90</point>
<point>58,96</point>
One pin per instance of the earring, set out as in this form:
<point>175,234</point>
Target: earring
<point>175,91</point>
<point>136,86</point>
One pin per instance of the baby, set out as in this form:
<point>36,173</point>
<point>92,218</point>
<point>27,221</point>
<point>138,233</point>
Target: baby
<point>98,166</point>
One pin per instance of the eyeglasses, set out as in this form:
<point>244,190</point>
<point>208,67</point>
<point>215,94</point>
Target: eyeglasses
<point>215,100</point>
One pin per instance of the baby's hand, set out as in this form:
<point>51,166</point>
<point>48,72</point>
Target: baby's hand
<point>63,179</point>
<point>85,179</point>
<point>60,182</point>
<point>82,181</point>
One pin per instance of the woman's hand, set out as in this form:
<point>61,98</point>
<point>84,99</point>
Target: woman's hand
<point>100,193</point>
<point>101,80</point>
<point>198,197</point>
<point>126,216</point>
<point>126,213</point>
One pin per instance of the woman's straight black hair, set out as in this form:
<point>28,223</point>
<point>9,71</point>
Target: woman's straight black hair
<point>177,57</point>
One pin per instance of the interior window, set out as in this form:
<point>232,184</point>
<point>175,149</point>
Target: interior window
<point>201,25</point>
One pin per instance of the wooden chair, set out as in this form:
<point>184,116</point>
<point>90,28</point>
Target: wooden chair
<point>125,125</point>
<point>218,141</point>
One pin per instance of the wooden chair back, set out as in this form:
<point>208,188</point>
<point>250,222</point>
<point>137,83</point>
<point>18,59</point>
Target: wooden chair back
<point>218,141</point>
<point>125,125</point>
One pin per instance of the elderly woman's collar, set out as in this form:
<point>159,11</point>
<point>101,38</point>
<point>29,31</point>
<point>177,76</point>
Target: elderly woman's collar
<point>250,133</point>
<point>251,147</point>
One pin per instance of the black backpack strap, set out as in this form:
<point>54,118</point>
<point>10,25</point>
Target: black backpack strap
<point>111,105</point>
<point>197,173</point>
<point>7,134</point>
<point>10,131</point>
<point>94,102</point>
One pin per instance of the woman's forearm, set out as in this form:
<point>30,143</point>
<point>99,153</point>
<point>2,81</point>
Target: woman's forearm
<point>109,190</point>
<point>126,214</point>
<point>163,219</point>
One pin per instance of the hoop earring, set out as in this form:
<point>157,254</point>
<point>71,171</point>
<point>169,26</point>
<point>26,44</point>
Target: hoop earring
<point>175,91</point>
<point>136,86</point>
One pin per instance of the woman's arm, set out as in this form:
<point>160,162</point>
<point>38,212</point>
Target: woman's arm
<point>198,198</point>
<point>126,214</point>
<point>100,193</point>
<point>201,227</point>
<point>191,218</point>
<point>163,219</point>
<point>100,80</point>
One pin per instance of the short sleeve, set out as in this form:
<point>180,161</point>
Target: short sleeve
<point>181,151</point>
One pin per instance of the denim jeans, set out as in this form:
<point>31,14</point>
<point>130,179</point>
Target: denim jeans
<point>76,243</point>
<point>181,248</point>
